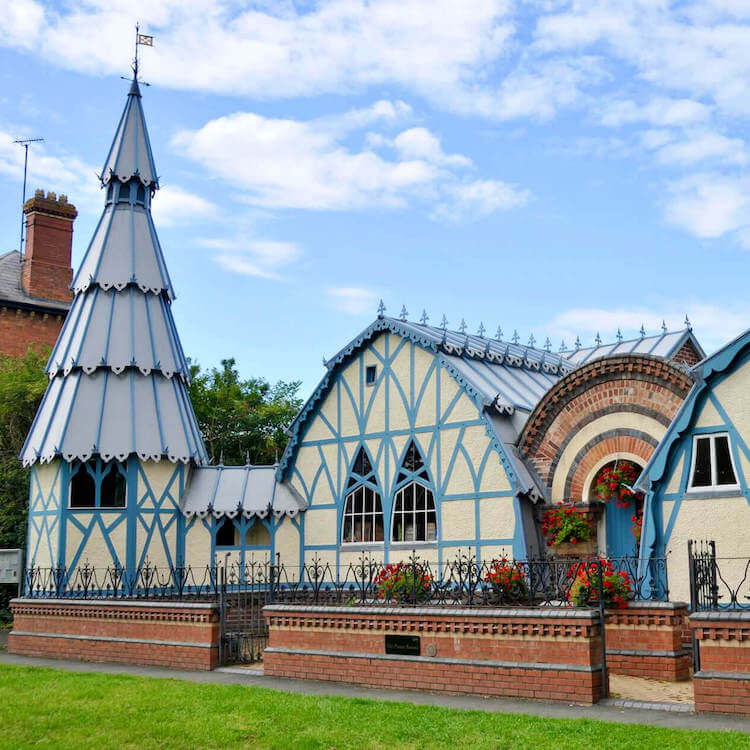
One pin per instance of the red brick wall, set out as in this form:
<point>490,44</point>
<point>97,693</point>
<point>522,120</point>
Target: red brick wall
<point>545,654</point>
<point>645,640</point>
<point>644,385</point>
<point>688,355</point>
<point>46,271</point>
<point>168,634</point>
<point>723,683</point>
<point>21,329</point>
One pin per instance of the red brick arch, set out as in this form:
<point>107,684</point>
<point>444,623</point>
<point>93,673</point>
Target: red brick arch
<point>634,384</point>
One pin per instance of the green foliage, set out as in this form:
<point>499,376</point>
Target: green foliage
<point>53,708</point>
<point>22,384</point>
<point>241,418</point>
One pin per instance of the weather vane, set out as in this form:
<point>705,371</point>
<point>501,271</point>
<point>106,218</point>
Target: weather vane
<point>140,40</point>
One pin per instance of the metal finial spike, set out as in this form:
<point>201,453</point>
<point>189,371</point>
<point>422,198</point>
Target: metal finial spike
<point>688,324</point>
<point>247,458</point>
<point>404,314</point>
<point>325,361</point>
<point>664,326</point>
<point>547,345</point>
<point>381,309</point>
<point>221,458</point>
<point>598,339</point>
<point>642,331</point>
<point>462,327</point>
<point>444,322</point>
<point>499,334</point>
<point>515,338</point>
<point>619,335</point>
<point>481,330</point>
<point>425,317</point>
<point>532,341</point>
<point>578,343</point>
<point>562,346</point>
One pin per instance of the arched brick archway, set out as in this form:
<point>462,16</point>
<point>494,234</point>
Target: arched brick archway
<point>614,405</point>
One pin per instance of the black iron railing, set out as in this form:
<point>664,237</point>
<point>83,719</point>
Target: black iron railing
<point>717,583</point>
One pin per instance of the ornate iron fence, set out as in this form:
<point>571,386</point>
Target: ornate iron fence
<point>717,583</point>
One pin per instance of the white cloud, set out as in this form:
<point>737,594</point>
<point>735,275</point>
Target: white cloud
<point>313,164</point>
<point>713,325</point>
<point>261,257</point>
<point>710,205</point>
<point>702,146</point>
<point>660,111</point>
<point>172,205</point>
<point>352,300</point>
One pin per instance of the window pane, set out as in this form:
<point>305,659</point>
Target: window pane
<point>369,500</point>
<point>724,470</point>
<point>420,497</point>
<point>358,499</point>
<point>431,527</point>
<point>420,534</point>
<point>348,530</point>
<point>82,489</point>
<point>379,535</point>
<point>225,536</point>
<point>112,489</point>
<point>702,471</point>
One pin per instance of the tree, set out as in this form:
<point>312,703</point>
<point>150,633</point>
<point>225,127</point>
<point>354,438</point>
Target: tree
<point>22,385</point>
<point>242,419</point>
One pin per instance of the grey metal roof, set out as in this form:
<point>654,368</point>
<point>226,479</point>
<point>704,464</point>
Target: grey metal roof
<point>234,490</point>
<point>119,330</point>
<point>124,250</point>
<point>118,373</point>
<point>130,154</point>
<point>112,416</point>
<point>12,293</point>
<point>664,345</point>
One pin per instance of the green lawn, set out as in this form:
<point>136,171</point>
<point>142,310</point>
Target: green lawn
<point>52,708</point>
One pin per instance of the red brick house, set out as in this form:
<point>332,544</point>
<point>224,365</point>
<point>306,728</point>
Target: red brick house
<point>35,288</point>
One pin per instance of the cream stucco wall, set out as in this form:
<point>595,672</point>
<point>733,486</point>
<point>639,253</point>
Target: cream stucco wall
<point>413,397</point>
<point>45,497</point>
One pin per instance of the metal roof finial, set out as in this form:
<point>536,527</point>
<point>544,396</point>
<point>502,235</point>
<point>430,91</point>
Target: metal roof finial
<point>598,339</point>
<point>578,343</point>
<point>515,338</point>
<point>425,317</point>
<point>547,345</point>
<point>664,326</point>
<point>221,458</point>
<point>532,340</point>
<point>381,309</point>
<point>404,314</point>
<point>688,324</point>
<point>619,335</point>
<point>481,330</point>
<point>642,331</point>
<point>247,458</point>
<point>562,346</point>
<point>499,334</point>
<point>444,322</point>
<point>462,327</point>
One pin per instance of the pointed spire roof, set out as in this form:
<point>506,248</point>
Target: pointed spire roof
<point>118,375</point>
<point>130,153</point>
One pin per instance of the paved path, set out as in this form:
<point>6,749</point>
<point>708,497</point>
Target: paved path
<point>241,676</point>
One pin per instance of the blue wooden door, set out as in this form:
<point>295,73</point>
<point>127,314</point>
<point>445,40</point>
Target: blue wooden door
<point>620,539</point>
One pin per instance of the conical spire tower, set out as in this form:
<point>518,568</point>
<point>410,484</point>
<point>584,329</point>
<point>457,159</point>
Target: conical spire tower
<point>118,375</point>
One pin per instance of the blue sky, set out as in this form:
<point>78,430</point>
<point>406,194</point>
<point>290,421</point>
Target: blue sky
<point>558,168</point>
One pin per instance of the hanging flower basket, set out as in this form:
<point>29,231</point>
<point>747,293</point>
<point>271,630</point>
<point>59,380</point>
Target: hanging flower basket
<point>569,532</point>
<point>614,482</point>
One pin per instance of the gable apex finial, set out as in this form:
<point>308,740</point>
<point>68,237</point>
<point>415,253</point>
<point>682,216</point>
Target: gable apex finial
<point>664,326</point>
<point>425,317</point>
<point>642,331</point>
<point>688,324</point>
<point>619,336</point>
<point>404,314</point>
<point>598,339</point>
<point>577,343</point>
<point>381,309</point>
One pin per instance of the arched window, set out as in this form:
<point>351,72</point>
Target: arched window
<point>363,508</point>
<point>98,484</point>
<point>414,516</point>
<point>226,534</point>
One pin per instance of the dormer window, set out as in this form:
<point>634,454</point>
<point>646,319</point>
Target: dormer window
<point>713,466</point>
<point>371,373</point>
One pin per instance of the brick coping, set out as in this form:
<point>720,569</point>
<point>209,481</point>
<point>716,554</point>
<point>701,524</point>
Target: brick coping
<point>651,605</point>
<point>732,616</point>
<point>541,666</point>
<point>116,603</point>
<point>537,613</point>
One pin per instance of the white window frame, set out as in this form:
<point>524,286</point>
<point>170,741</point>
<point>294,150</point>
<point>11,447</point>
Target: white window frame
<point>713,487</point>
<point>427,510</point>
<point>362,516</point>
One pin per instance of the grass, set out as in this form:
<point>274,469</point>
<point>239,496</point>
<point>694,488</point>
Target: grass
<point>52,708</point>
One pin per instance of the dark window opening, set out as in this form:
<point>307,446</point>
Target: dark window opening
<point>362,466</point>
<point>363,516</point>
<point>225,534</point>
<point>724,468</point>
<point>413,461</point>
<point>83,488</point>
<point>112,489</point>
<point>712,463</point>
<point>140,195</point>
<point>702,470</point>
<point>414,516</point>
<point>371,372</point>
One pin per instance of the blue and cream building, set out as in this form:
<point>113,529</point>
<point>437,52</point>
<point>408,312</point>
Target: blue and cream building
<point>418,437</point>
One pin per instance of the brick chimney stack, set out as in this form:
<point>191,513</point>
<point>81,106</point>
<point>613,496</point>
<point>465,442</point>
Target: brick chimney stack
<point>47,272</point>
